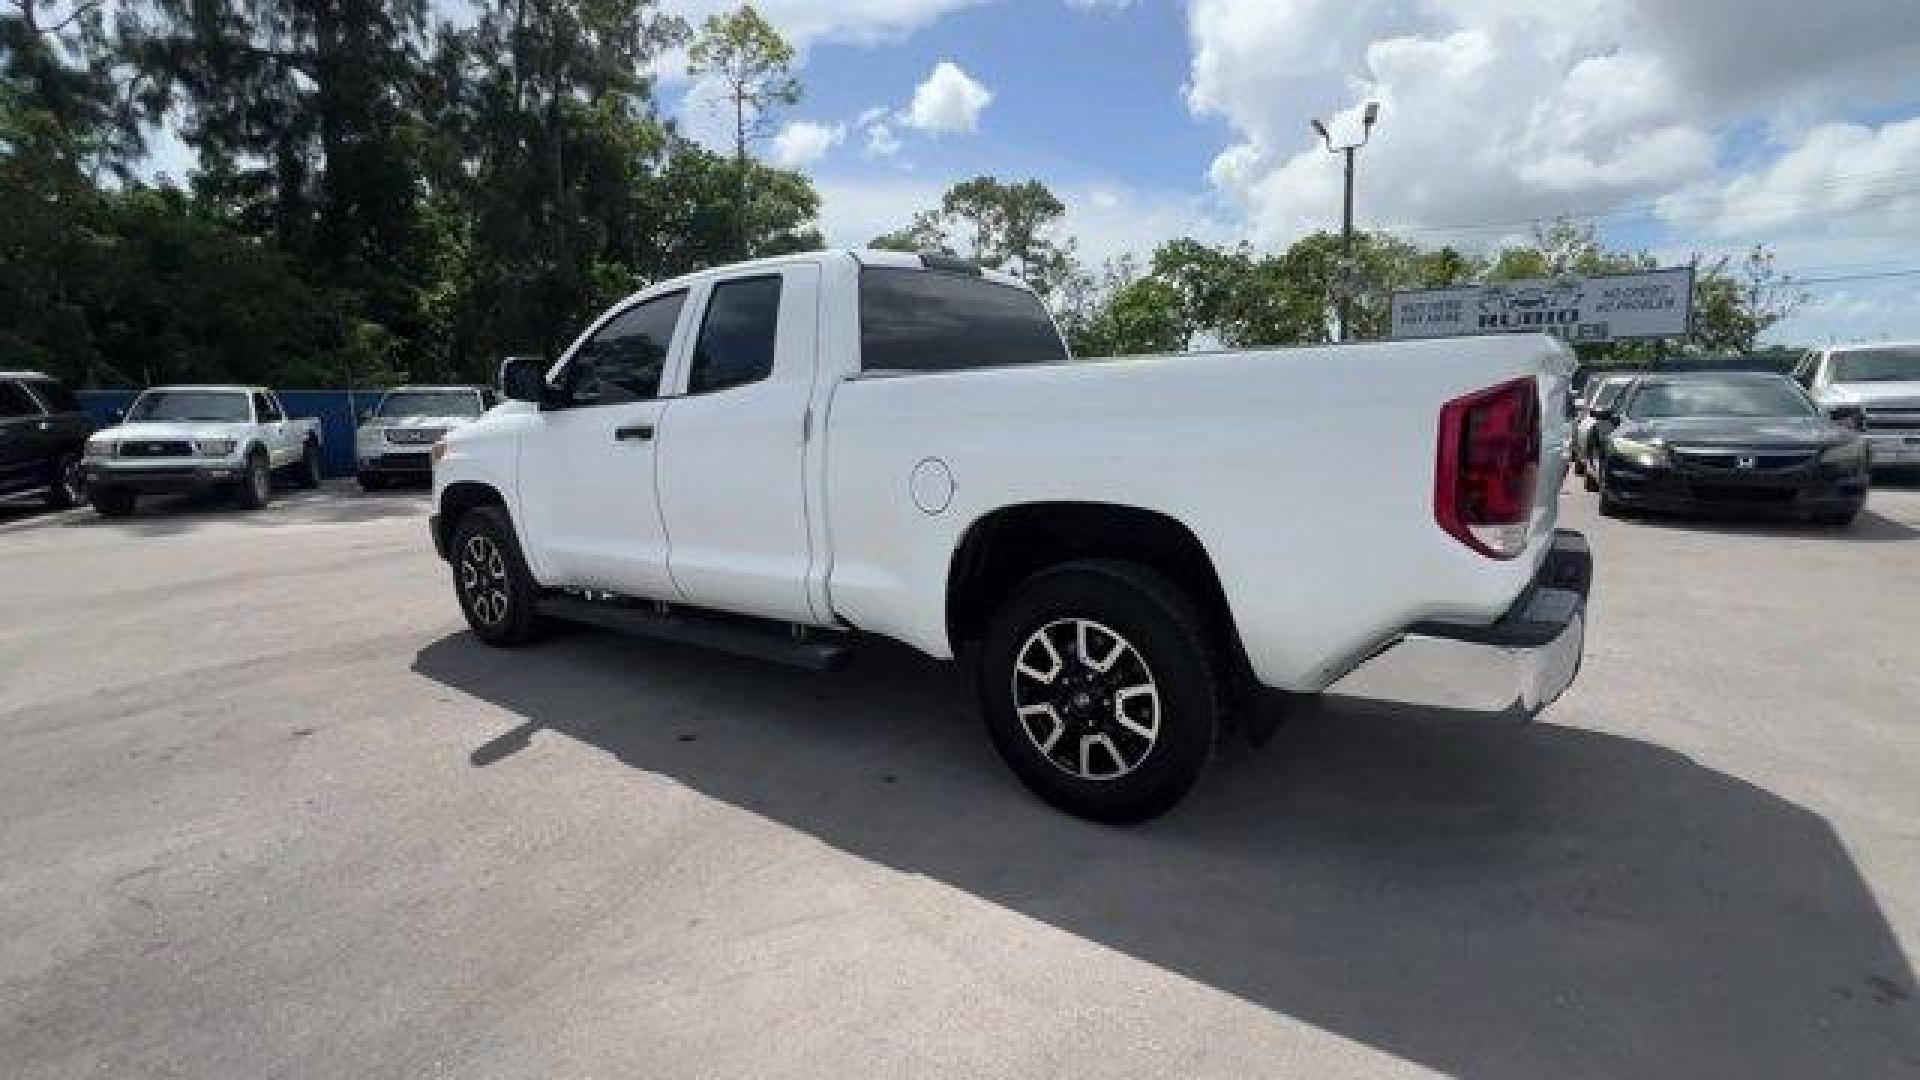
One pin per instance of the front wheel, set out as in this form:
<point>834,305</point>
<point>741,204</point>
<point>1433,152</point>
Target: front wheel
<point>497,592</point>
<point>1100,687</point>
<point>256,483</point>
<point>69,486</point>
<point>113,502</point>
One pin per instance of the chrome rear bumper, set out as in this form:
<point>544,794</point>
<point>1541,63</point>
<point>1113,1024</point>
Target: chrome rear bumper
<point>1516,666</point>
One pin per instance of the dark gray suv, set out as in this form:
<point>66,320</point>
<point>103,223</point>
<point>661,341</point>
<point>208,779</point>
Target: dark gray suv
<point>43,439</point>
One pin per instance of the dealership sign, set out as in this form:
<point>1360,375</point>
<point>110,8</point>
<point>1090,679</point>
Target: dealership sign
<point>1608,307</point>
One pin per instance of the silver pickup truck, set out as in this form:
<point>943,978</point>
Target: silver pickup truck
<point>1875,388</point>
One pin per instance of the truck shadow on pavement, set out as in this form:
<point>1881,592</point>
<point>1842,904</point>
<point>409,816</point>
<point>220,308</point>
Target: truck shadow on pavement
<point>1483,900</point>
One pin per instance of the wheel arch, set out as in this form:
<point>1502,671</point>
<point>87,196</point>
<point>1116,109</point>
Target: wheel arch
<point>1004,547</point>
<point>457,499</point>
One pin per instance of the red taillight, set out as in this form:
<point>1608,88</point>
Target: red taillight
<point>1487,474</point>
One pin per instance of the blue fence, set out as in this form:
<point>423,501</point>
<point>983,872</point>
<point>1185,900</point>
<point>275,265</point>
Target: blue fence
<point>335,408</point>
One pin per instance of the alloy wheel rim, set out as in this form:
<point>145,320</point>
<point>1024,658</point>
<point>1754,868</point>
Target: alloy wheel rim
<point>483,580</point>
<point>1086,699</point>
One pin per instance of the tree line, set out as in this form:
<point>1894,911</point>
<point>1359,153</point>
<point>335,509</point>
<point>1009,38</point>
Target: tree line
<point>377,194</point>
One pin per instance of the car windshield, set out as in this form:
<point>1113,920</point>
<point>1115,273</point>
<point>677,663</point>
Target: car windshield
<point>1877,365</point>
<point>429,403</point>
<point>1728,397</point>
<point>211,406</point>
<point>1609,390</point>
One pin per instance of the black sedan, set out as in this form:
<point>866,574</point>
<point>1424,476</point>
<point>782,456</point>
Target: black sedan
<point>1730,442</point>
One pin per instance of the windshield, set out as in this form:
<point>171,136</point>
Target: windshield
<point>1877,365</point>
<point>1732,397</point>
<point>429,403</point>
<point>211,406</point>
<point>1603,398</point>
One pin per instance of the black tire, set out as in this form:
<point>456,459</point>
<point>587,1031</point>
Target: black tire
<point>496,591</point>
<point>306,472</point>
<point>67,487</point>
<point>1838,519</point>
<point>372,482</point>
<point>113,502</point>
<point>1164,637</point>
<point>1591,483</point>
<point>254,489</point>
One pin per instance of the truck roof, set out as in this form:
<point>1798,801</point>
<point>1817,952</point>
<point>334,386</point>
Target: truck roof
<point>22,375</point>
<point>223,388</point>
<point>433,388</point>
<point>863,256</point>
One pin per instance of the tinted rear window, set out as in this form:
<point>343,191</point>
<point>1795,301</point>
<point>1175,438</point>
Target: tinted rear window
<point>922,320</point>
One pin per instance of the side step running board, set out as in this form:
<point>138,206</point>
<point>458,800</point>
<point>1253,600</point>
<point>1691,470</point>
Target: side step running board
<point>776,642</point>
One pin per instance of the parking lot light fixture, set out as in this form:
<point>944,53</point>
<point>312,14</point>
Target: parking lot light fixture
<point>1369,116</point>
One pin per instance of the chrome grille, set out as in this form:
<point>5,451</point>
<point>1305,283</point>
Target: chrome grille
<point>1744,461</point>
<point>414,436</point>
<point>155,448</point>
<point>1905,419</point>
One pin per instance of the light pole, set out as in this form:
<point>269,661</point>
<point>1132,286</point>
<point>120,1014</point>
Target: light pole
<point>1344,286</point>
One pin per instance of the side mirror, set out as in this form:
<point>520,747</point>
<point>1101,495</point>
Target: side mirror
<point>1849,416</point>
<point>524,378</point>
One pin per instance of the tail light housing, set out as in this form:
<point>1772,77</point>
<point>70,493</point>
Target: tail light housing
<point>1486,476</point>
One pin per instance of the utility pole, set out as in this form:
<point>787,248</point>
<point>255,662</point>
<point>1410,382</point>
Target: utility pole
<point>1343,287</point>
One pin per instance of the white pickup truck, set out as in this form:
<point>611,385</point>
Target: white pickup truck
<point>184,439</point>
<point>1125,551</point>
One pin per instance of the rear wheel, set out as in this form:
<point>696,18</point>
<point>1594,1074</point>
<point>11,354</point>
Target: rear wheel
<point>69,486</point>
<point>306,473</point>
<point>497,592</point>
<point>113,502</point>
<point>255,486</point>
<point>1100,687</point>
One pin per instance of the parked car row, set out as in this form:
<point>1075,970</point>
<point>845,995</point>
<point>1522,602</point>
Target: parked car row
<point>215,439</point>
<point>1720,442</point>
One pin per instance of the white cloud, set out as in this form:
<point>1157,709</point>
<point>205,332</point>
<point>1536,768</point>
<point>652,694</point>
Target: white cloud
<point>804,142</point>
<point>949,100</point>
<point>881,141</point>
<point>1496,110</point>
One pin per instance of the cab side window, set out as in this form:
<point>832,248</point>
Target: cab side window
<point>264,410</point>
<point>737,335</point>
<point>626,358</point>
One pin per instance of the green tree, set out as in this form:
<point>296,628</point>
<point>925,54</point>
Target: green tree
<point>997,224</point>
<point>754,67</point>
<point>1736,302</point>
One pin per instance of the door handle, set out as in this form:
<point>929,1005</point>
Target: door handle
<point>640,432</point>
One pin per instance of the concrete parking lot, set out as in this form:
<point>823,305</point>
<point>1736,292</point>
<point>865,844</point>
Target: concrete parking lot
<point>267,810</point>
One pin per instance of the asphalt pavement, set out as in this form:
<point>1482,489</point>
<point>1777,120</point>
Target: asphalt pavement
<point>266,810</point>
